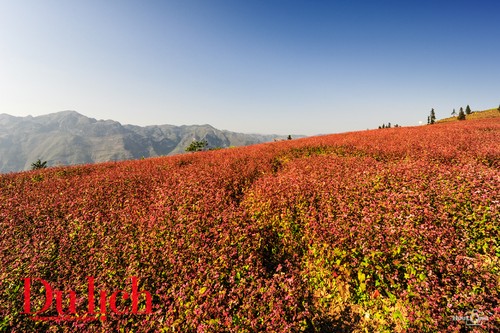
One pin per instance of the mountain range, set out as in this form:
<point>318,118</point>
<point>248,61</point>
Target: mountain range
<point>68,137</point>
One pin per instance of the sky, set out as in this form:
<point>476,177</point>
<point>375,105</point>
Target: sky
<point>251,66</point>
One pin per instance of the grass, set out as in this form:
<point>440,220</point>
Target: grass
<point>491,113</point>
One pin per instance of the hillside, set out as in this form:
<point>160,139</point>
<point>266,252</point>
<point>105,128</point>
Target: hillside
<point>486,114</point>
<point>68,138</point>
<point>373,231</point>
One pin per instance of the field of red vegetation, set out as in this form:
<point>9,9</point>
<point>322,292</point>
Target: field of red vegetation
<point>393,230</point>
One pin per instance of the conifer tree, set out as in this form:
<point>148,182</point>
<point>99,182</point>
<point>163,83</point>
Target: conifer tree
<point>468,110</point>
<point>432,118</point>
<point>454,113</point>
<point>461,114</point>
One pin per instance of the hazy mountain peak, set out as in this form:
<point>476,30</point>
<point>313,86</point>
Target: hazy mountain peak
<point>69,112</point>
<point>6,118</point>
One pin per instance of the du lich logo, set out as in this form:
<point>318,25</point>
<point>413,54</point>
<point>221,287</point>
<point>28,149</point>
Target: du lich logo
<point>108,303</point>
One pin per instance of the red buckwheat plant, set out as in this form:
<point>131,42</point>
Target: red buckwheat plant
<point>376,231</point>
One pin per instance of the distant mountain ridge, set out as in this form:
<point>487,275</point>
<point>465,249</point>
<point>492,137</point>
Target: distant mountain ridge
<point>68,137</point>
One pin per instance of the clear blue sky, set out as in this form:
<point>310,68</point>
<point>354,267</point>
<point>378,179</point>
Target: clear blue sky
<point>272,66</point>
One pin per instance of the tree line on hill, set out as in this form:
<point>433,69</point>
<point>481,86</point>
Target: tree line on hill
<point>461,113</point>
<point>388,125</point>
<point>431,119</point>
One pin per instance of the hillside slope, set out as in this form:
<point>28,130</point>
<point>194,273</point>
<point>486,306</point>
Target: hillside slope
<point>393,230</point>
<point>486,114</point>
<point>68,138</point>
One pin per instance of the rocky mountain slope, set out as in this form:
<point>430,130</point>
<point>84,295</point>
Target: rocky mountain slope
<point>67,137</point>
